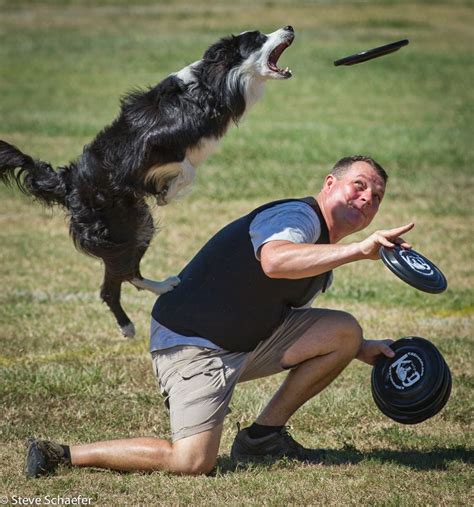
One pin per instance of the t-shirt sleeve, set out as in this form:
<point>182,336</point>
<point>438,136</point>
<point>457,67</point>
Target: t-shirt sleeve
<point>293,221</point>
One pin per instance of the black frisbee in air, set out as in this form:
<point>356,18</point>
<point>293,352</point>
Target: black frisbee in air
<point>414,269</point>
<point>372,53</point>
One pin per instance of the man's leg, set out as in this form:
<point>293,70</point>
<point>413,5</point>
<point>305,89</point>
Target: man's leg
<point>192,455</point>
<point>316,359</point>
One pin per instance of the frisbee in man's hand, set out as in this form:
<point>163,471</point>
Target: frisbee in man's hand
<point>369,54</point>
<point>415,384</point>
<point>414,269</point>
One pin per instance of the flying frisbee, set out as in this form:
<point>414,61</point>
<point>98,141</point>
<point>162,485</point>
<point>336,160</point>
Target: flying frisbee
<point>414,269</point>
<point>372,53</point>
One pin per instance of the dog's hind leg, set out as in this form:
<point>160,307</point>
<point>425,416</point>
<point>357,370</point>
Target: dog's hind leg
<point>144,232</point>
<point>141,283</point>
<point>110,294</point>
<point>157,288</point>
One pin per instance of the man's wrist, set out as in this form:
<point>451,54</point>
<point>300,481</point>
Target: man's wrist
<point>356,252</point>
<point>361,349</point>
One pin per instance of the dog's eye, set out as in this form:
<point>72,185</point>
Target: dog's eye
<point>260,39</point>
<point>251,42</point>
<point>255,38</point>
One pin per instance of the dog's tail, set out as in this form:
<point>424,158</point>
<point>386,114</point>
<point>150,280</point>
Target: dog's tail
<point>31,176</point>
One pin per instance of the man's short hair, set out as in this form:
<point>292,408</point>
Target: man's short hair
<point>345,163</point>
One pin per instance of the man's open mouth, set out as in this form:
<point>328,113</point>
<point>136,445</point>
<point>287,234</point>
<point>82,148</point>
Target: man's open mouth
<point>275,54</point>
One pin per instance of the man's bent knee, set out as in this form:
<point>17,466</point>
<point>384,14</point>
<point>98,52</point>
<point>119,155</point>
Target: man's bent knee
<point>349,325</point>
<point>337,331</point>
<point>349,332</point>
<point>197,466</point>
<point>197,454</point>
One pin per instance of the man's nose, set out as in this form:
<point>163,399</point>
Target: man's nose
<point>367,196</point>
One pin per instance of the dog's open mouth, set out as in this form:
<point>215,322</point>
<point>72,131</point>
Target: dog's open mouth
<point>275,54</point>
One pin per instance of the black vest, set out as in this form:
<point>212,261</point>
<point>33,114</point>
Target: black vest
<point>224,295</point>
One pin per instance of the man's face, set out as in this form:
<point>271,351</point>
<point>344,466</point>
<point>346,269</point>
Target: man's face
<point>354,199</point>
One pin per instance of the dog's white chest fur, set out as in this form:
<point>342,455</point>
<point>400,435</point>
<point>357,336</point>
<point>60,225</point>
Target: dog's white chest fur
<point>198,154</point>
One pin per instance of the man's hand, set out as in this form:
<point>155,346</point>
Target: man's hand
<point>370,247</point>
<point>372,349</point>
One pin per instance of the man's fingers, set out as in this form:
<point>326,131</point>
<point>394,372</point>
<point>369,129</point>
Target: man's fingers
<point>391,237</point>
<point>386,238</point>
<point>385,242</point>
<point>402,243</point>
<point>387,351</point>
<point>400,230</point>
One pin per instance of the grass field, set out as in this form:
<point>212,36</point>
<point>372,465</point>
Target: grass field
<point>65,371</point>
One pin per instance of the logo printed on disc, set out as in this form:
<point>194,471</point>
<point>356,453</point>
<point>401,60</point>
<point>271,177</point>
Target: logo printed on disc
<point>416,262</point>
<point>406,371</point>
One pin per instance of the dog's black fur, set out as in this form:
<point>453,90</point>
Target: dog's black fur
<point>105,189</point>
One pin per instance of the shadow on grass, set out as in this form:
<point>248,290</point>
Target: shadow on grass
<point>437,458</point>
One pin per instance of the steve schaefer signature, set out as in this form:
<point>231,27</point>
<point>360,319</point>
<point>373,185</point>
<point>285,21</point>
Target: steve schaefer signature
<point>45,500</point>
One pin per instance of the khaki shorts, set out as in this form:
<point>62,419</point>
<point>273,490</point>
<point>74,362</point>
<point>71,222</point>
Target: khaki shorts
<point>198,382</point>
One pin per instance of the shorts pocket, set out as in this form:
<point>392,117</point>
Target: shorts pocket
<point>201,379</point>
<point>201,367</point>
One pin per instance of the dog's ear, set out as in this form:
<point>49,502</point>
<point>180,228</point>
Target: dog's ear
<point>225,53</point>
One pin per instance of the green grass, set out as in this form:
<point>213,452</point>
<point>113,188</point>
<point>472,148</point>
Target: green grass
<point>66,374</point>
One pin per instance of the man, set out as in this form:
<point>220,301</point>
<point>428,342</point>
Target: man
<point>242,311</point>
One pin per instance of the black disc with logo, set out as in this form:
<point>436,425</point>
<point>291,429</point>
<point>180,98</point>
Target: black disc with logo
<point>415,384</point>
<point>415,372</point>
<point>407,416</point>
<point>369,54</point>
<point>414,269</point>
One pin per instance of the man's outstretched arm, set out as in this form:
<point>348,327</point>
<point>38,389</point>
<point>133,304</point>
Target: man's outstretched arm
<point>284,259</point>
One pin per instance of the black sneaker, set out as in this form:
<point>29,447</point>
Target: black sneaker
<point>44,457</point>
<point>277,445</point>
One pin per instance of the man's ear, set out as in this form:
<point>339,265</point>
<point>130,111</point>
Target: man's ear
<point>328,183</point>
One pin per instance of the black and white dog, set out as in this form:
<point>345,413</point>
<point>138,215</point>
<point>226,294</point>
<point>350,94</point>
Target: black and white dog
<point>151,149</point>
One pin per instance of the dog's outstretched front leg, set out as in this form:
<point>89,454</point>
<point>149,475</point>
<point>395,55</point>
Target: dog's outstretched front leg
<point>157,288</point>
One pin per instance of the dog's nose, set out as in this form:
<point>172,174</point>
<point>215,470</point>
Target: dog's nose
<point>288,28</point>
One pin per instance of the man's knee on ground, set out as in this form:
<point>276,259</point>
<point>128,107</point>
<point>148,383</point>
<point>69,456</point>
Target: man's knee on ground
<point>197,466</point>
<point>194,464</point>
<point>194,455</point>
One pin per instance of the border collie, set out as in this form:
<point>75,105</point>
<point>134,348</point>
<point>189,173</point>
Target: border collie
<point>152,149</point>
